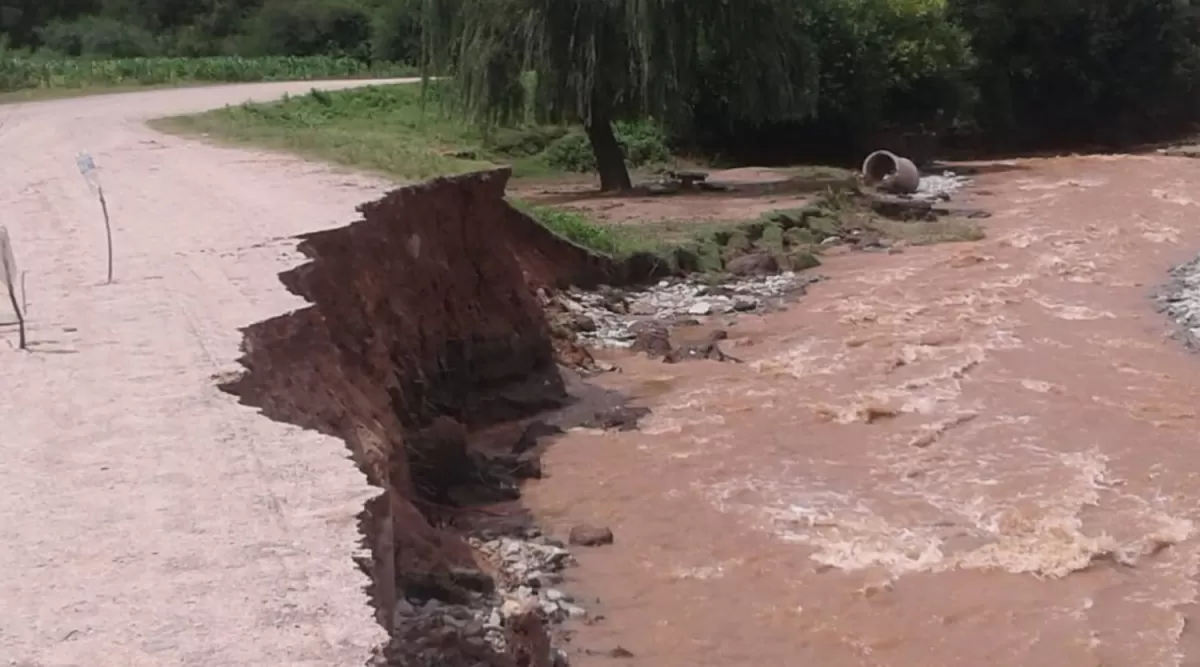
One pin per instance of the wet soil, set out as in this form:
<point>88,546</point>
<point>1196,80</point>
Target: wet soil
<point>968,454</point>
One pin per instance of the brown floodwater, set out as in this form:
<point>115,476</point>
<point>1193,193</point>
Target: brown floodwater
<point>969,454</point>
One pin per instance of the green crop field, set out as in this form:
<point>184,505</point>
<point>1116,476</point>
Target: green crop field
<point>20,74</point>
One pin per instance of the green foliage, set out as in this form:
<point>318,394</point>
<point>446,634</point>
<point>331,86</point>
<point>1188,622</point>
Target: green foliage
<point>24,73</point>
<point>731,74</point>
<point>890,61</point>
<point>397,130</point>
<point>396,32</point>
<point>1059,69</point>
<point>597,62</point>
<point>642,143</point>
<point>312,27</point>
<point>97,37</point>
<point>577,228</point>
<point>526,141</point>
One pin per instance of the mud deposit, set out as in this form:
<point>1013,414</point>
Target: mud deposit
<point>426,350</point>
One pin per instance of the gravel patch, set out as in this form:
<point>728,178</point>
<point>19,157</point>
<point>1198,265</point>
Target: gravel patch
<point>480,631</point>
<point>940,187</point>
<point>1179,300</point>
<point>609,317</point>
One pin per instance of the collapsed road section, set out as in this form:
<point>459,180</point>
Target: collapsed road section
<point>425,349</point>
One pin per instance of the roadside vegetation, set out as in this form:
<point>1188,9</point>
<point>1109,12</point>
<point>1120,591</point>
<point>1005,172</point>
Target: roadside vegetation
<point>408,133</point>
<point>19,73</point>
<point>620,88</point>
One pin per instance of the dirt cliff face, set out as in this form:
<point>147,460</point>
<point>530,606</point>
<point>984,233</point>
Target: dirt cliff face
<point>424,329</point>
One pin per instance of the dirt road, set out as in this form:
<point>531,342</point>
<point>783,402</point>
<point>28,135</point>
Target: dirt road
<point>976,455</point>
<point>145,519</point>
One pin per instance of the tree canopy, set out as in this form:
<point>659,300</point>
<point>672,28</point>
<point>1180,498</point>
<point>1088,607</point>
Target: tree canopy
<point>597,61</point>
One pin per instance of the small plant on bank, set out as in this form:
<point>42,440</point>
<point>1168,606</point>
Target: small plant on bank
<point>577,228</point>
<point>643,144</point>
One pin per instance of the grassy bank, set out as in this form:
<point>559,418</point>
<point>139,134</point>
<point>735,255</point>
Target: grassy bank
<point>793,239</point>
<point>42,77</point>
<point>405,132</point>
<point>384,129</point>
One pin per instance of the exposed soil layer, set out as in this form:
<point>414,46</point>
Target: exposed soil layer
<point>427,351</point>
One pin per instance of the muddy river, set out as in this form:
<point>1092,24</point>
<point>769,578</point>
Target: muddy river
<point>967,454</point>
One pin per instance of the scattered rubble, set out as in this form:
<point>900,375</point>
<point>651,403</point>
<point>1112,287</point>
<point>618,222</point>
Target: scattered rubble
<point>935,187</point>
<point>611,317</point>
<point>487,628</point>
<point>1179,300</point>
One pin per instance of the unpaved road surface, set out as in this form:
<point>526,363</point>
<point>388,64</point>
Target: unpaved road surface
<point>145,518</point>
<point>976,455</point>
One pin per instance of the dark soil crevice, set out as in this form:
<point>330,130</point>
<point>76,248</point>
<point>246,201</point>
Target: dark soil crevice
<point>426,349</point>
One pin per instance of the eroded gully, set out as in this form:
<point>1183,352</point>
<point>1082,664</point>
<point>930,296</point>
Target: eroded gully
<point>973,454</point>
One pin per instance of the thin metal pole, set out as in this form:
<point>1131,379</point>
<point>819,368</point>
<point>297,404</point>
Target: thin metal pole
<point>107,231</point>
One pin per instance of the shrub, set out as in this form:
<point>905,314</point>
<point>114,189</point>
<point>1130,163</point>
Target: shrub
<point>897,62</point>
<point>643,143</point>
<point>881,64</point>
<point>97,37</point>
<point>396,32</point>
<point>1059,70</point>
<point>575,227</point>
<point>312,27</point>
<point>525,141</point>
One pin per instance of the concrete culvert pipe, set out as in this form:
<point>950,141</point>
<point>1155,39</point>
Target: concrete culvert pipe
<point>890,172</point>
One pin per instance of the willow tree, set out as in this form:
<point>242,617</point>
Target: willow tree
<point>598,61</point>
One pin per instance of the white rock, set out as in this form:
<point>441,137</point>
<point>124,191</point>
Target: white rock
<point>494,620</point>
<point>515,607</point>
<point>700,308</point>
<point>574,611</point>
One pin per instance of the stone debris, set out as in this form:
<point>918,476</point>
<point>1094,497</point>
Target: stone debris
<point>1179,300</point>
<point>528,571</point>
<point>586,535</point>
<point>609,317</point>
<point>935,187</point>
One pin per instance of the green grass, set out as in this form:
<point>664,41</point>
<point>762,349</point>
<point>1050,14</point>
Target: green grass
<point>384,129</point>
<point>46,94</point>
<point>405,132</point>
<point>579,229</point>
<point>794,236</point>
<point>77,74</point>
<point>408,133</point>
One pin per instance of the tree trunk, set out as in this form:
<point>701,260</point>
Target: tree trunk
<point>610,159</point>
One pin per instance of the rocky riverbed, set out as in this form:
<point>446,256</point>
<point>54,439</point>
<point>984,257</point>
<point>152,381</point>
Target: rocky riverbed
<point>1179,300</point>
<point>940,187</point>
<point>517,587</point>
<point>610,317</point>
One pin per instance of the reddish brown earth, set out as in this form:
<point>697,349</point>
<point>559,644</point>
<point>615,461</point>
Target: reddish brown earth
<point>754,191</point>
<point>971,454</point>
<point>424,324</point>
